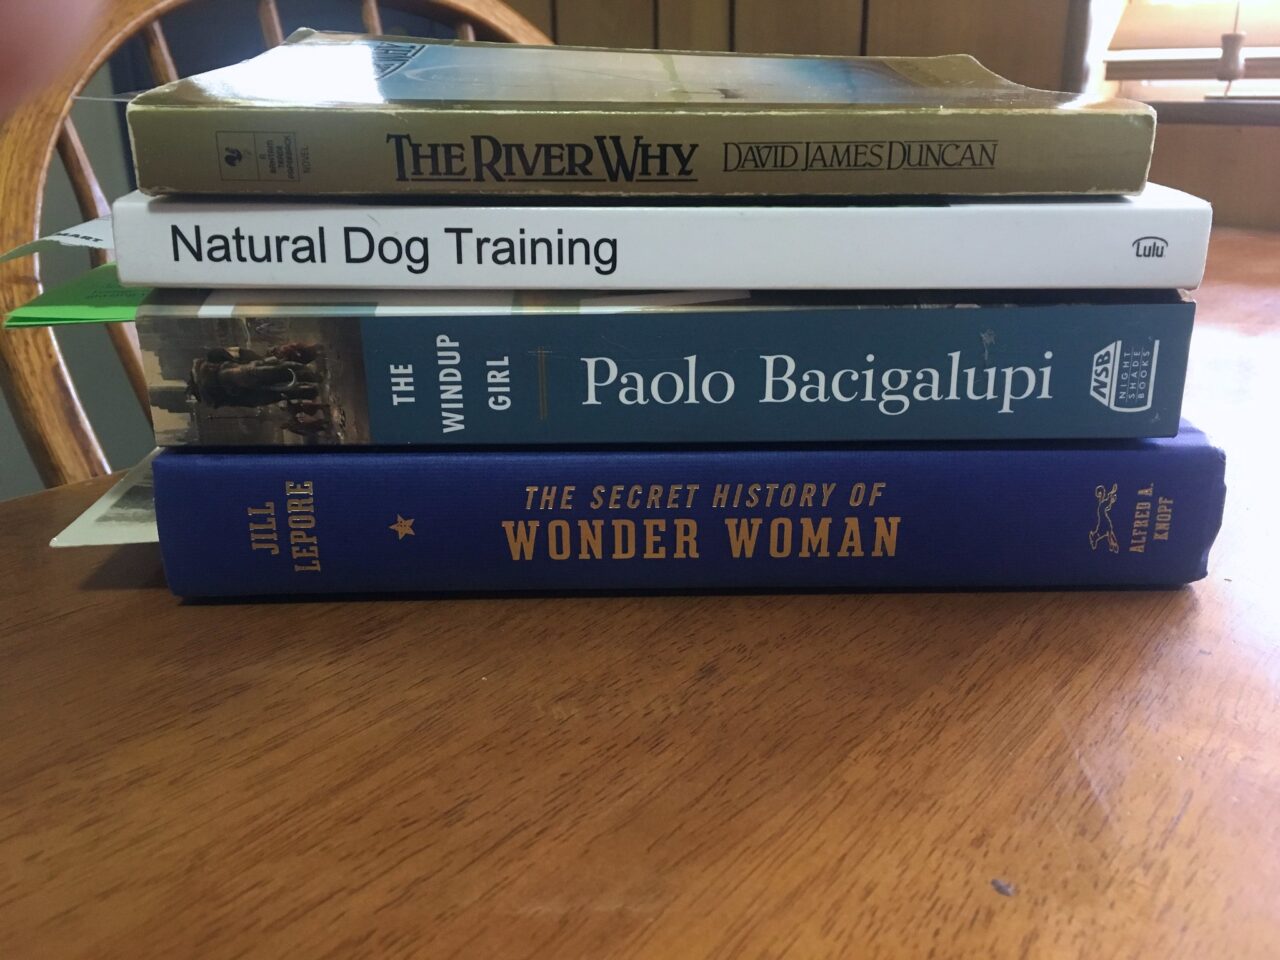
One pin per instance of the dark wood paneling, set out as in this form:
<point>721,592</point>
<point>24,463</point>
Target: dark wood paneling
<point>1022,40</point>
<point>694,24</point>
<point>800,26</point>
<point>537,12</point>
<point>1233,167</point>
<point>618,23</point>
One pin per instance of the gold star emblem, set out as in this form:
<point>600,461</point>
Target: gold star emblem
<point>402,527</point>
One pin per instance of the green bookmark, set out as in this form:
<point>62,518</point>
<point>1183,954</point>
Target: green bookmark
<point>94,297</point>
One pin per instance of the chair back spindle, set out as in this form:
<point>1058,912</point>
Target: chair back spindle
<point>33,376</point>
<point>269,18</point>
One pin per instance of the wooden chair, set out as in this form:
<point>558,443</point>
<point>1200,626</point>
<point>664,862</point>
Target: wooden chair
<point>35,380</point>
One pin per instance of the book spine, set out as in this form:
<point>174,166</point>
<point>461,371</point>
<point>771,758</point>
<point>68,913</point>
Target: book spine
<point>625,152</point>
<point>989,371</point>
<point>1138,514</point>
<point>171,243</point>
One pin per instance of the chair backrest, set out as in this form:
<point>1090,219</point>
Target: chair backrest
<point>34,378</point>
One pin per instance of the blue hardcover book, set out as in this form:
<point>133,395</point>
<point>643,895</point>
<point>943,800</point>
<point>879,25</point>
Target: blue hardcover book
<point>1135,513</point>
<point>653,369</point>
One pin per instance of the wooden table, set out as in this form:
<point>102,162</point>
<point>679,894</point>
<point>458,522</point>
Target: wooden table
<point>990,775</point>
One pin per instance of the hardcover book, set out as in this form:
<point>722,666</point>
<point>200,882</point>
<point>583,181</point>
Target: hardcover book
<point>470,368</point>
<point>1156,239</point>
<point>1136,513</point>
<point>329,113</point>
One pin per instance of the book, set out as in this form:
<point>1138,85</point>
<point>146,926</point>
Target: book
<point>473,368</point>
<point>1120,514</point>
<point>1156,239</point>
<point>331,113</point>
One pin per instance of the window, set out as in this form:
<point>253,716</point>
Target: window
<point>1194,50</point>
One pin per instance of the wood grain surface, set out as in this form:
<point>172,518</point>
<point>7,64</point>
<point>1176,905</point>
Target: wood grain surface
<point>915,774</point>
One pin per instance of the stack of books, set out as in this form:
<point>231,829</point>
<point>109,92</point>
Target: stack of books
<point>465,317</point>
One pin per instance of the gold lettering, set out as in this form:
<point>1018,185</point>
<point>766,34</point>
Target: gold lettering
<point>591,539</point>
<point>851,545</point>
<point>624,539</point>
<point>1164,518</point>
<point>300,506</point>
<point>742,536</point>
<point>521,537</point>
<point>780,537</point>
<point>262,533</point>
<point>653,529</point>
<point>558,539</point>
<point>720,499</point>
<point>686,539</point>
<point>807,493</point>
<point>814,541</point>
<point>886,537</point>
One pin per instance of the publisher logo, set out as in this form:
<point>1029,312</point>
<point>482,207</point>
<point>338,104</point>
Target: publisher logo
<point>1124,375</point>
<point>1148,247</point>
<point>258,155</point>
<point>388,56</point>
<point>1104,530</point>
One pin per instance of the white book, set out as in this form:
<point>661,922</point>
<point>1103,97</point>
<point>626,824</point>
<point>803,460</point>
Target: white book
<point>1158,238</point>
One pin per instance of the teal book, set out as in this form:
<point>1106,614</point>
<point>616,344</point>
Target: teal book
<point>472,369</point>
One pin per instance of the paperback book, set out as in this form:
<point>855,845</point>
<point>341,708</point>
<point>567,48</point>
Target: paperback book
<point>226,368</point>
<point>1157,239</point>
<point>328,113</point>
<point>1135,513</point>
